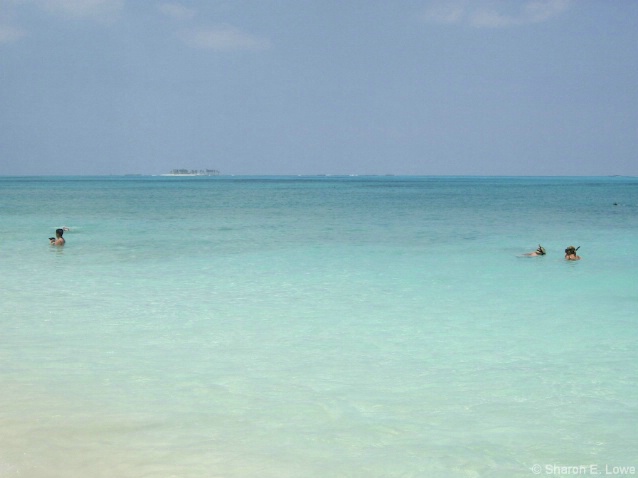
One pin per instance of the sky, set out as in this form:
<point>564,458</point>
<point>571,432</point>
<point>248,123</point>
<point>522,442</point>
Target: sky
<point>278,87</point>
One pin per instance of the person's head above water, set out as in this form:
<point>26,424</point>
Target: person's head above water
<point>570,253</point>
<point>58,240</point>
<point>540,251</point>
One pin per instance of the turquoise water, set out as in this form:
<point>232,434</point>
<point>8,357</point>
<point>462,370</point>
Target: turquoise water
<point>317,327</point>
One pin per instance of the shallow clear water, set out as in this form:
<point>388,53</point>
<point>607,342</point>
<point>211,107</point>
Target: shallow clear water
<point>335,326</point>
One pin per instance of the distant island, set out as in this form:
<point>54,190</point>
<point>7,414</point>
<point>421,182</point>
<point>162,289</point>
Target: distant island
<point>192,172</point>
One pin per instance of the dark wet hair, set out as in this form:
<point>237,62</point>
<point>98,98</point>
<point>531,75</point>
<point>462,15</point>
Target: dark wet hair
<point>59,231</point>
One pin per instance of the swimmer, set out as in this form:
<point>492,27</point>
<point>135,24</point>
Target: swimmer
<point>538,252</point>
<point>58,240</point>
<point>570,253</point>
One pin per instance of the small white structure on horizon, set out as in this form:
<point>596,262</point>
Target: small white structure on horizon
<point>192,172</point>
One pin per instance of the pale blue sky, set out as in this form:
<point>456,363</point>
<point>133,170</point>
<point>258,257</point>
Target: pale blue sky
<point>476,87</point>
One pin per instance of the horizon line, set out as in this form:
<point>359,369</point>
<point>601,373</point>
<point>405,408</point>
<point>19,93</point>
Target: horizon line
<point>317,175</point>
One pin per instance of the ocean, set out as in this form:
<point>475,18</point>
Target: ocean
<point>313,327</point>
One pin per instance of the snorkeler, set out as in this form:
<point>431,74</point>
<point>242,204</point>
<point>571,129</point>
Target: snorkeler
<point>58,240</point>
<point>570,253</point>
<point>538,252</point>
